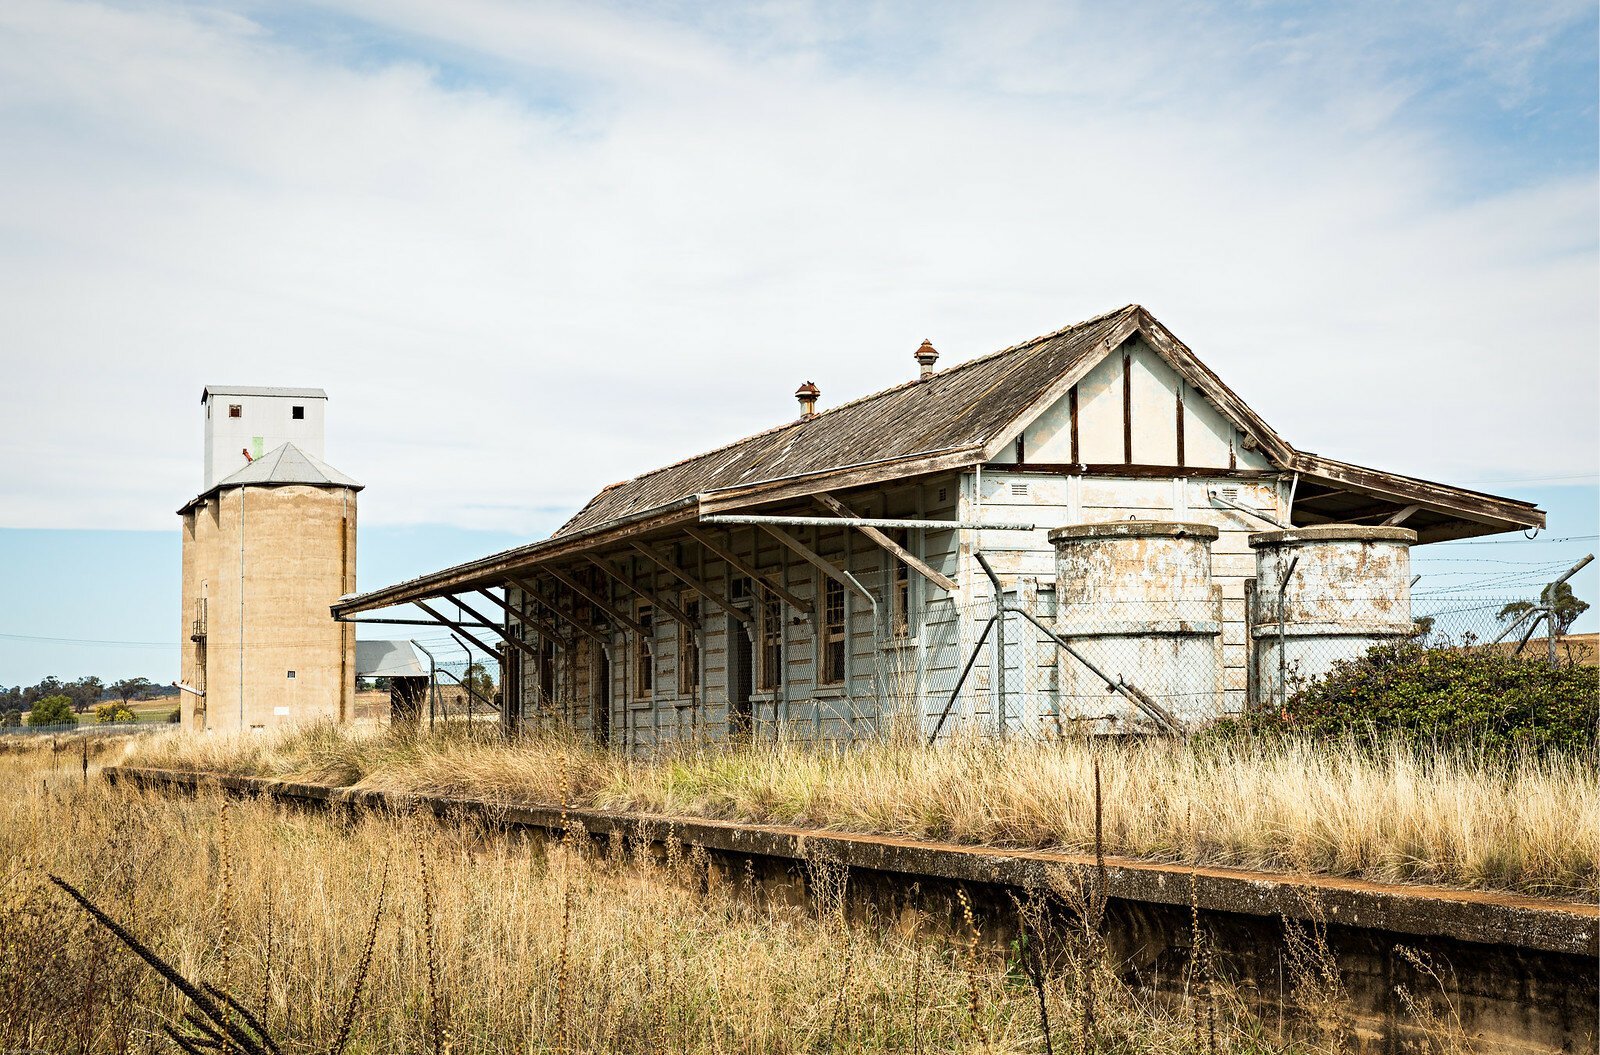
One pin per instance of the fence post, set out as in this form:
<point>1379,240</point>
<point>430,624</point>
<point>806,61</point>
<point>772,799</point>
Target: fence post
<point>1283,665</point>
<point>999,645</point>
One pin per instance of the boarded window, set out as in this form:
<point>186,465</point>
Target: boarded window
<point>771,643</point>
<point>235,410</point>
<point>689,651</point>
<point>833,632</point>
<point>644,681</point>
<point>297,413</point>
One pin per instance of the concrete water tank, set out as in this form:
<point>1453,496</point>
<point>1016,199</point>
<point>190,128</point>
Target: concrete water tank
<point>1135,597</point>
<point>1349,589</point>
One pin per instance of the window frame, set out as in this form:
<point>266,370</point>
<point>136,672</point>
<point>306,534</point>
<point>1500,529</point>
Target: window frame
<point>833,635</point>
<point>644,658</point>
<point>689,649</point>
<point>236,410</point>
<point>769,670</point>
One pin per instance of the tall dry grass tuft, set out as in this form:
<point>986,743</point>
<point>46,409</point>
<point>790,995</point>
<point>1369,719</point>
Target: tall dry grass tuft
<point>1386,812</point>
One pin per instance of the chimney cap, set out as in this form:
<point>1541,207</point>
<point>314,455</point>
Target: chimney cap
<point>808,394</point>
<point>926,355</point>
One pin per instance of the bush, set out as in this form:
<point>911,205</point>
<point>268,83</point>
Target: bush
<point>175,716</point>
<point>1479,695</point>
<point>107,713</point>
<point>52,710</point>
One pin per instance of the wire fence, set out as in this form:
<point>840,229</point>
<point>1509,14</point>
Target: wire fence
<point>89,728</point>
<point>1033,668</point>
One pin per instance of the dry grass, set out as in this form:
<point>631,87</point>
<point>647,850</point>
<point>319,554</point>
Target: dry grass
<point>1389,813</point>
<point>483,944</point>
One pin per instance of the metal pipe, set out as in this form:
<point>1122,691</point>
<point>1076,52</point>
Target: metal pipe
<point>466,671</point>
<point>1575,569</point>
<point>414,622</point>
<point>999,644</point>
<point>1283,662</point>
<point>875,522</point>
<point>951,702</point>
<point>1132,693</point>
<point>1230,503</point>
<point>877,646</point>
<point>433,681</point>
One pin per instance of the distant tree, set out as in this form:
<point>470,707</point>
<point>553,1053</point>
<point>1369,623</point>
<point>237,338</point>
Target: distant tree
<point>48,686</point>
<point>85,692</point>
<point>479,680</point>
<point>10,718</point>
<point>52,710</point>
<point>1566,604</point>
<point>132,689</point>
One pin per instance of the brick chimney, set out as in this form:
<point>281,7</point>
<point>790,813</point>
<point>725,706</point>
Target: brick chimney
<point>926,356</point>
<point>808,394</point>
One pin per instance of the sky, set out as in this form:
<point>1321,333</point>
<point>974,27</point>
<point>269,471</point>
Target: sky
<point>530,249</point>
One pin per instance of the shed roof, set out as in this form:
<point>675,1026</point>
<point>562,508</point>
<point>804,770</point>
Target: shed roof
<point>388,659</point>
<point>955,409</point>
<point>260,390</point>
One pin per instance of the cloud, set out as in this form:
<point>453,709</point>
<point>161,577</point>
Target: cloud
<point>531,250</point>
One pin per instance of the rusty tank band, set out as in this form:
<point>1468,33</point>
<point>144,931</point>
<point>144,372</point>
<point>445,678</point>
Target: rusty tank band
<point>1333,533</point>
<point>1119,529</point>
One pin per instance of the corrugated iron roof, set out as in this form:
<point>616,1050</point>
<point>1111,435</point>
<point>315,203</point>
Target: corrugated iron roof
<point>260,390</point>
<point>287,464</point>
<point>388,659</point>
<point>953,409</point>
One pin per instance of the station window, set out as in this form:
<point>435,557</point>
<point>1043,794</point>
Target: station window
<point>297,413</point>
<point>833,632</point>
<point>900,599</point>
<point>771,643</point>
<point>235,410</point>
<point>645,654</point>
<point>689,651</point>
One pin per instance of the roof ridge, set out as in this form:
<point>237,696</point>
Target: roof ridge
<point>957,368</point>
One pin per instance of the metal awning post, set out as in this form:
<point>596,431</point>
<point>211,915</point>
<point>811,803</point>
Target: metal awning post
<point>433,683</point>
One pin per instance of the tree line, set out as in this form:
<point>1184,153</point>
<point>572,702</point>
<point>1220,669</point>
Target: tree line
<point>52,701</point>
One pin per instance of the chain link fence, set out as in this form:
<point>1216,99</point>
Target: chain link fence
<point>1033,668</point>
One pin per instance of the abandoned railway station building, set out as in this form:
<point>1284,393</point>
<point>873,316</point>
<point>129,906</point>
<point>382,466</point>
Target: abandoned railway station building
<point>1088,531</point>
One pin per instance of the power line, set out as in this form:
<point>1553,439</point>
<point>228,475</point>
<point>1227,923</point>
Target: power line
<point>89,641</point>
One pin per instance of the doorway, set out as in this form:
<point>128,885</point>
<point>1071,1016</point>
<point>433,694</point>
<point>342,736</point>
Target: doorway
<point>741,679</point>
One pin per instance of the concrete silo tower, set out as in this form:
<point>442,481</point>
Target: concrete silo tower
<point>268,544</point>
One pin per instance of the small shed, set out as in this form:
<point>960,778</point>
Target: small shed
<point>407,675</point>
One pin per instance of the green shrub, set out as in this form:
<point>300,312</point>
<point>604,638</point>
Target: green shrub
<point>175,716</point>
<point>1479,695</point>
<point>52,710</point>
<point>107,713</point>
<point>10,718</point>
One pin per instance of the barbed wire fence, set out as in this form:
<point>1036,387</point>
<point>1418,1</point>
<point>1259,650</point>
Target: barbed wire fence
<point>1019,664</point>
